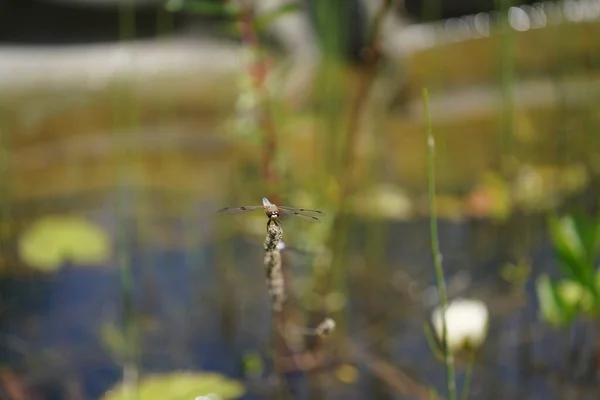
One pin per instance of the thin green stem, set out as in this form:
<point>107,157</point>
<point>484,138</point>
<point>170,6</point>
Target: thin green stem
<point>125,114</point>
<point>435,249</point>
<point>469,374</point>
<point>507,77</point>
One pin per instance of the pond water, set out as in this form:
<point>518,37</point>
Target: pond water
<point>191,318</point>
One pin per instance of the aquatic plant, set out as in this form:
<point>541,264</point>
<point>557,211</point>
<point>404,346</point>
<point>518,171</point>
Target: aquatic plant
<point>435,251</point>
<point>466,323</point>
<point>576,241</point>
<point>53,240</point>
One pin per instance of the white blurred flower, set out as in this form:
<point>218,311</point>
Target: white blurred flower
<point>466,323</point>
<point>280,245</point>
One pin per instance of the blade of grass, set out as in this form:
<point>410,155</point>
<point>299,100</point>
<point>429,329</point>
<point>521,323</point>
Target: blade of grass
<point>435,249</point>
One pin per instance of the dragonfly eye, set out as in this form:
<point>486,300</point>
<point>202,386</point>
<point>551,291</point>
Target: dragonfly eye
<point>272,214</point>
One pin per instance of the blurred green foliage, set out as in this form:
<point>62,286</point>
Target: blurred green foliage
<point>576,240</point>
<point>516,274</point>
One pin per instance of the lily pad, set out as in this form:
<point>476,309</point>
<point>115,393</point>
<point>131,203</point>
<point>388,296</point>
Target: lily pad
<point>181,385</point>
<point>52,240</point>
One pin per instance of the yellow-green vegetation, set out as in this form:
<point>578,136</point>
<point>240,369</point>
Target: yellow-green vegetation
<point>253,364</point>
<point>52,240</point>
<point>181,386</point>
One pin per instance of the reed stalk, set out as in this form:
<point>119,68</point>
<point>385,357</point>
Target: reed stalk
<point>435,249</point>
<point>126,116</point>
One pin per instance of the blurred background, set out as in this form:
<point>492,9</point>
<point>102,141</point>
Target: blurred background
<point>126,124</point>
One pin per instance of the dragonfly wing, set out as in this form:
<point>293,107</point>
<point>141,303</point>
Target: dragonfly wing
<point>304,211</point>
<point>235,210</point>
<point>300,215</point>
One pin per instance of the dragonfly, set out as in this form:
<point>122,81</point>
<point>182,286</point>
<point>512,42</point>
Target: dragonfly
<point>274,211</point>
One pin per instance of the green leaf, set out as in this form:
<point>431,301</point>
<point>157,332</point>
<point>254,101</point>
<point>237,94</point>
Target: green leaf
<point>552,308</point>
<point>432,342</point>
<point>263,21</point>
<point>575,296</point>
<point>588,230</point>
<point>569,248</point>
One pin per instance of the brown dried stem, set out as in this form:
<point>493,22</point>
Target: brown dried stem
<point>274,272</point>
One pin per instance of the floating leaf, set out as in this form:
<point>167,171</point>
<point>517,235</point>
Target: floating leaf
<point>52,240</point>
<point>181,385</point>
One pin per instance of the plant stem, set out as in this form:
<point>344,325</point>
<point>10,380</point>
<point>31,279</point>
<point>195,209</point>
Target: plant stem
<point>435,249</point>
<point>507,77</point>
<point>276,288</point>
<point>469,374</point>
<point>6,191</point>
<point>126,118</point>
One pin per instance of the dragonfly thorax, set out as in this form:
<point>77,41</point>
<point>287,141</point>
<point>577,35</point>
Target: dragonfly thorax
<point>270,209</point>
